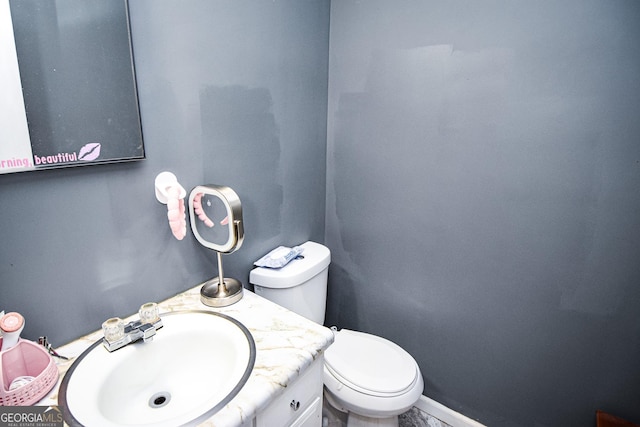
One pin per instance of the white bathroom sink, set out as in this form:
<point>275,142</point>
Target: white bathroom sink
<point>196,363</point>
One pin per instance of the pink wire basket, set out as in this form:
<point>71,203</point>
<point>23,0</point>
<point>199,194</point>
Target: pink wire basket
<point>26,359</point>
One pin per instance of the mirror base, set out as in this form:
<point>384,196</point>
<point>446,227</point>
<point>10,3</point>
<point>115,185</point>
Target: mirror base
<point>213,295</point>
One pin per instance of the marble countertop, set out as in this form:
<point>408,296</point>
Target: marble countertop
<point>286,344</point>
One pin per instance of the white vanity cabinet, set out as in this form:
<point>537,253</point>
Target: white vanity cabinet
<point>301,403</point>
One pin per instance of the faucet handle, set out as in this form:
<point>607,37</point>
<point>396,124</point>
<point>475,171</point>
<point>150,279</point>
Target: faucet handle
<point>113,329</point>
<point>149,313</point>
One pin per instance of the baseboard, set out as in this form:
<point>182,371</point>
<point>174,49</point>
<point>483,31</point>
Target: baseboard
<point>445,414</point>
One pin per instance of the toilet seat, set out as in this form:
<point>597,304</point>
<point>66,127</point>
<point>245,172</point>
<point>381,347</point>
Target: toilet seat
<point>370,364</point>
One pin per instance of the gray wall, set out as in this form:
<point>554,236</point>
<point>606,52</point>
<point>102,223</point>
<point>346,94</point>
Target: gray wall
<point>231,92</point>
<point>483,199</point>
<point>482,206</point>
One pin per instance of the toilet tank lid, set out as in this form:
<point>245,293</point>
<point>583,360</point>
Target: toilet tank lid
<point>313,260</point>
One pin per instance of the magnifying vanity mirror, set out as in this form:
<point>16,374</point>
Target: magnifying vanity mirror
<point>215,213</point>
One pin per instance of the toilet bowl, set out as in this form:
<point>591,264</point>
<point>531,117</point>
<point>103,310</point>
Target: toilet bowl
<point>368,377</point>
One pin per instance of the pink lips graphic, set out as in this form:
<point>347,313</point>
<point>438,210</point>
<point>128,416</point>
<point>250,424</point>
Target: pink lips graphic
<point>90,151</point>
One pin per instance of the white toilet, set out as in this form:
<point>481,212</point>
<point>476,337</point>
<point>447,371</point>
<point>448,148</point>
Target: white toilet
<point>370,378</point>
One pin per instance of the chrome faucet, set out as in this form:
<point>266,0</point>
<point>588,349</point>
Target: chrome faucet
<point>118,335</point>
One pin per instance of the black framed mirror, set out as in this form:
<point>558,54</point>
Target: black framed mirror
<point>75,65</point>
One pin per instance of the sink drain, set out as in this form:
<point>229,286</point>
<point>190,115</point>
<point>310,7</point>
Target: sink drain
<point>159,400</point>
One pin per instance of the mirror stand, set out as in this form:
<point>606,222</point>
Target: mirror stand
<point>215,214</point>
<point>220,291</point>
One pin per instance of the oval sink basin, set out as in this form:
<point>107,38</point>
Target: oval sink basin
<point>197,362</point>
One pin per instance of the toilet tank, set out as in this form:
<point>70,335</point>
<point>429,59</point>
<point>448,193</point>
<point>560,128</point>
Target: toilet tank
<point>301,285</point>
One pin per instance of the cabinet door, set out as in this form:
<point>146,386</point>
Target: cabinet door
<point>312,416</point>
<point>300,404</point>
